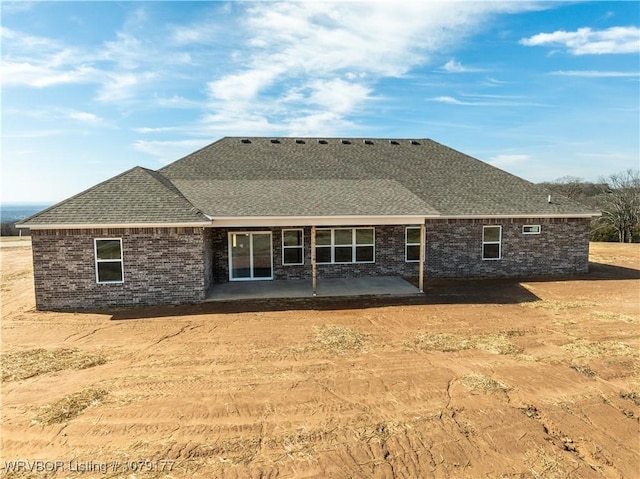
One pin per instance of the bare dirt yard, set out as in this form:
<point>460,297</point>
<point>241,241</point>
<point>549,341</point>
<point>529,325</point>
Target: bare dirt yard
<point>504,379</point>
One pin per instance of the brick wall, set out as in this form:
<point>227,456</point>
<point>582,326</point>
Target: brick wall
<point>161,266</point>
<point>455,248</point>
<point>177,265</point>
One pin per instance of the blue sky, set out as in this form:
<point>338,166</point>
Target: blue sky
<point>91,89</point>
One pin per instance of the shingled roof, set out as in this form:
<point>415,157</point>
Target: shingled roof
<point>440,180</point>
<point>138,196</point>
<point>310,177</point>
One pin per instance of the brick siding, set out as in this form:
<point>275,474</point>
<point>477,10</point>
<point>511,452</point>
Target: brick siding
<point>161,266</point>
<point>178,265</point>
<point>455,248</point>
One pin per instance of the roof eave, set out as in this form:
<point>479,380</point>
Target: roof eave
<point>76,226</point>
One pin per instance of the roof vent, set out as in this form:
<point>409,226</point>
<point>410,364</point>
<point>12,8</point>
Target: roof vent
<point>300,142</point>
<point>323,142</point>
<point>346,142</point>
<point>415,142</point>
<point>245,140</point>
<point>275,140</point>
<point>368,142</point>
<point>394,142</point>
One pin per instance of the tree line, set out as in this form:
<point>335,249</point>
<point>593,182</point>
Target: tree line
<point>617,197</point>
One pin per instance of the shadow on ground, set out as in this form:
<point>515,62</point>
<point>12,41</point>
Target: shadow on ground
<point>493,291</point>
<point>454,291</point>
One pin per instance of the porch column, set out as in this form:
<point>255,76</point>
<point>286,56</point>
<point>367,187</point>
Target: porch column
<point>313,259</point>
<point>421,268</point>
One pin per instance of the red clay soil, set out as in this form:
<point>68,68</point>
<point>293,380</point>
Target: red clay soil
<point>534,379</point>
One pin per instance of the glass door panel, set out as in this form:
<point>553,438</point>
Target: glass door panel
<point>240,256</point>
<point>262,255</point>
<point>250,256</point>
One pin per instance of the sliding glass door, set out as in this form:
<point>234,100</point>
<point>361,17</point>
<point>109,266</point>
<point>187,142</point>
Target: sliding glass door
<point>250,256</point>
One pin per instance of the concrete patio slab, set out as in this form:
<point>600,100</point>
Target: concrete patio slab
<point>373,286</point>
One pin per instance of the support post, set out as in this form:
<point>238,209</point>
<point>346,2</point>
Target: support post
<point>313,260</point>
<point>421,273</point>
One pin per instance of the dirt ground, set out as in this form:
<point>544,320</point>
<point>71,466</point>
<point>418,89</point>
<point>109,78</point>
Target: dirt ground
<point>505,379</point>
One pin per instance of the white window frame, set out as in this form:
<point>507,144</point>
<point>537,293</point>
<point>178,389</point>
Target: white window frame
<point>300,246</point>
<point>534,229</point>
<point>407,244</point>
<point>353,245</point>
<point>499,242</point>
<point>97,260</point>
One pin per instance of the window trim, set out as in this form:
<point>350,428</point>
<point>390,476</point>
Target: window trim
<point>332,246</point>
<point>499,242</point>
<point>539,229</point>
<point>407,244</point>
<point>300,246</point>
<point>97,260</point>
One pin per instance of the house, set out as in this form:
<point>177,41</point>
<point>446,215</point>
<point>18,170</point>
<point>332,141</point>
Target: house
<point>260,209</point>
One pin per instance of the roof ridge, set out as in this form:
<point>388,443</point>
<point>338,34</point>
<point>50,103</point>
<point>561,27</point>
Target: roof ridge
<point>169,185</point>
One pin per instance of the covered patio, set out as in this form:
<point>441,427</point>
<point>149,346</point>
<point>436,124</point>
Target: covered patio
<point>303,288</point>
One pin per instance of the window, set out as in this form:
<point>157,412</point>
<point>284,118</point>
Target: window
<point>412,244</point>
<point>531,230</point>
<point>345,245</point>
<point>109,267</point>
<point>491,242</point>
<point>292,247</point>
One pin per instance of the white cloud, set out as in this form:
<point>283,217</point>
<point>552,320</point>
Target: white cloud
<point>587,41</point>
<point>453,66</point>
<point>162,129</point>
<point>596,74</point>
<point>122,86</point>
<point>447,99</point>
<point>177,101</point>
<point>316,64</point>
<point>485,100</point>
<point>84,117</point>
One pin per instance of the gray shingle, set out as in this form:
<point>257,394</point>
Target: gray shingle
<point>224,198</point>
<point>445,180</point>
<point>137,196</point>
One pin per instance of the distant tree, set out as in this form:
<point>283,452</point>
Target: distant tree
<point>620,204</point>
<point>576,189</point>
<point>570,186</point>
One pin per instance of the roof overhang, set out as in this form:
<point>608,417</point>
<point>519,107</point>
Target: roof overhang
<point>275,221</point>
<point>85,226</point>
<point>351,220</point>
<point>529,216</point>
